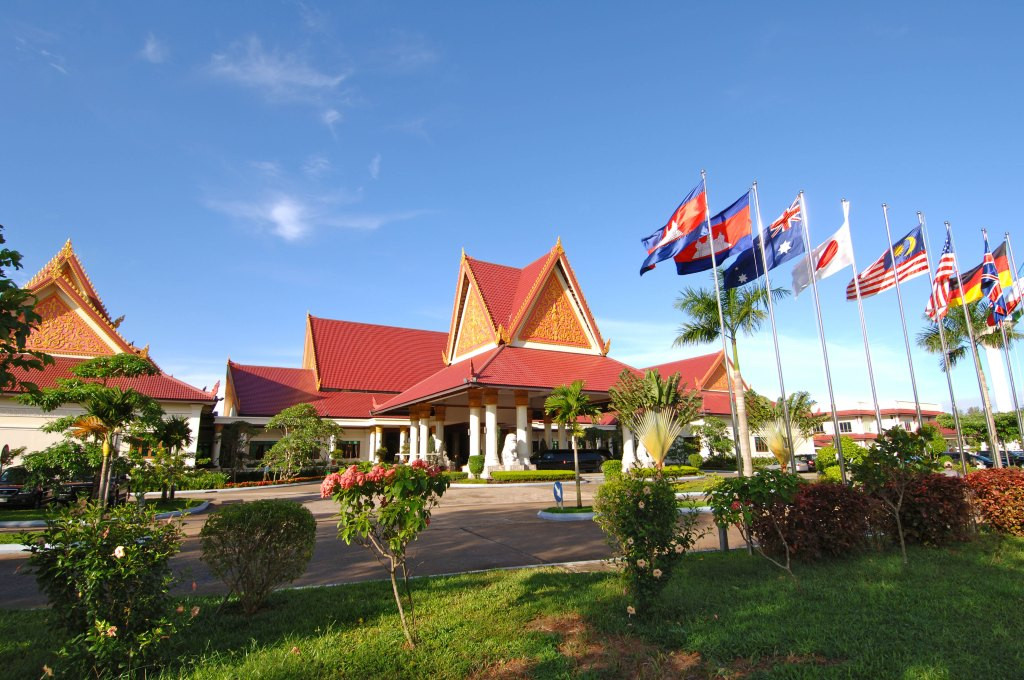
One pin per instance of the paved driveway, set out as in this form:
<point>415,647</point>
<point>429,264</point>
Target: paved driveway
<point>474,527</point>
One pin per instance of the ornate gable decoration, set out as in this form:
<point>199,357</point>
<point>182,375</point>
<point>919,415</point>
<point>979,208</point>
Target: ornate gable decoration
<point>554,319</point>
<point>63,331</point>
<point>474,330</point>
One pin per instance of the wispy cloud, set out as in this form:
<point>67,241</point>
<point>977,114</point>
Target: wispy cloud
<point>330,118</point>
<point>36,43</point>
<point>279,76</point>
<point>154,51</point>
<point>375,167</point>
<point>285,216</point>
<point>405,53</point>
<point>316,166</point>
<point>268,168</point>
<point>371,221</point>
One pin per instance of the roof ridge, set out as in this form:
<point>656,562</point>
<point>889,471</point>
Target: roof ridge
<point>542,275</point>
<point>103,316</point>
<point>376,325</point>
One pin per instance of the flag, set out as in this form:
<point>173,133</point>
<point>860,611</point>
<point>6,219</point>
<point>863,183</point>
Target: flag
<point>911,261</point>
<point>972,279</point>
<point>830,257</point>
<point>730,233</point>
<point>938,301</point>
<point>684,227</point>
<point>782,243</point>
<point>1009,303</point>
<point>990,286</point>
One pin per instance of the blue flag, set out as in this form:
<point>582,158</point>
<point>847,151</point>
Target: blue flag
<point>782,243</point>
<point>687,223</point>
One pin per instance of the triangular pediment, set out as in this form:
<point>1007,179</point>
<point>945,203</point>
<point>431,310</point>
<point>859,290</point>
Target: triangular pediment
<point>472,328</point>
<point>556,318</point>
<point>66,330</point>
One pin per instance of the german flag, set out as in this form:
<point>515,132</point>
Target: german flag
<point>972,279</point>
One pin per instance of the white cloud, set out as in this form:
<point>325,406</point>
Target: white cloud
<point>31,41</point>
<point>316,166</point>
<point>371,221</point>
<point>268,168</point>
<point>278,76</point>
<point>330,117</point>
<point>375,167</point>
<point>285,216</point>
<point>154,51</point>
<point>407,53</point>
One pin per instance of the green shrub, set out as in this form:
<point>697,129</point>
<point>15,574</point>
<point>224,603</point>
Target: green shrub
<point>719,462</point>
<point>761,462</point>
<point>254,547</point>
<point>647,533</point>
<point>191,480</point>
<point>106,576</point>
<point>670,471</point>
<point>612,469</point>
<point>852,453</point>
<point>456,476</point>
<point>476,465</point>
<point>532,475</point>
<point>831,474</point>
<point>695,460</point>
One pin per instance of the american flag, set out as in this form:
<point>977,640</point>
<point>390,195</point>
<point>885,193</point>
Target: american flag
<point>938,301</point>
<point>911,261</point>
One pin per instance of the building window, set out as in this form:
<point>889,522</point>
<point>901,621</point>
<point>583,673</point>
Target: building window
<point>845,426</point>
<point>759,445</point>
<point>346,449</point>
<point>258,449</point>
<point>908,426</point>
<point>819,428</point>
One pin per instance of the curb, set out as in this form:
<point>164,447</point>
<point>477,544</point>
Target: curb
<point>10,548</point>
<point>699,510</point>
<point>202,507</point>
<point>22,524</point>
<point>566,516</point>
<point>690,494</point>
<point>192,492</point>
<point>514,484</point>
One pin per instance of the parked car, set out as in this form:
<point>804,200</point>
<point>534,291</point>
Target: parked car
<point>806,462</point>
<point>561,459</point>
<point>17,490</point>
<point>72,490</point>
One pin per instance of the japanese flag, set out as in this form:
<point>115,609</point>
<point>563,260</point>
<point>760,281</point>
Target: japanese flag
<point>832,256</point>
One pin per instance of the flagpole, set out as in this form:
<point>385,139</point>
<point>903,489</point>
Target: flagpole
<point>990,424</point>
<point>821,336</point>
<point>1013,266</point>
<point>903,318</point>
<point>741,468</point>
<point>775,335</point>
<point>945,351</point>
<point>1009,366</point>
<point>864,334</point>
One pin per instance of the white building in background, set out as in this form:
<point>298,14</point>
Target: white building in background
<point>857,420</point>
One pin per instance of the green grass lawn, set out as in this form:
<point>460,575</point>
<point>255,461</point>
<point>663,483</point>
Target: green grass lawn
<point>695,484</point>
<point>952,613</point>
<point>9,537</point>
<point>23,514</point>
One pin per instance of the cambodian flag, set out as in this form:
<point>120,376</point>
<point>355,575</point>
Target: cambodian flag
<point>730,234</point>
<point>684,227</point>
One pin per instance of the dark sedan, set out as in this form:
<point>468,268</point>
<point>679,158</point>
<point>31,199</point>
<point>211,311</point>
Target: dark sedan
<point>16,489</point>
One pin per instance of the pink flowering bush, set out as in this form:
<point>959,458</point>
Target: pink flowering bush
<point>384,508</point>
<point>649,536</point>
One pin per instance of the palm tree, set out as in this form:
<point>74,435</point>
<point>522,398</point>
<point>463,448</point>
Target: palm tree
<point>172,435</point>
<point>566,405</point>
<point>744,311</point>
<point>658,429</point>
<point>958,344</point>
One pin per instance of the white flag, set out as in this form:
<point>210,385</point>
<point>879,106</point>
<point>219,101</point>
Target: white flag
<point>832,256</point>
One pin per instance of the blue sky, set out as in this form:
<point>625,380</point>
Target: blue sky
<point>222,172</point>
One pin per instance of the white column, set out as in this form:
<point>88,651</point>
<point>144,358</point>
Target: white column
<point>424,433</point>
<point>562,439</point>
<point>215,455</point>
<point>628,450</point>
<point>414,435</point>
<point>474,424</point>
<point>522,428</point>
<point>402,438</point>
<point>372,445</point>
<point>439,415</point>
<point>491,461</point>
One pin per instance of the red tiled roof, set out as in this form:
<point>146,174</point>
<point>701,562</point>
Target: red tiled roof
<point>372,358</point>
<point>691,371</point>
<point>507,366</point>
<point>498,284</point>
<point>263,391</point>
<point>847,413</point>
<point>162,387</point>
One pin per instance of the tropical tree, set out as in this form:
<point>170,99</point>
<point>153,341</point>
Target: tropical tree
<point>17,320</point>
<point>744,311</point>
<point>170,437</point>
<point>658,430</point>
<point>110,410</point>
<point>958,345</point>
<point>305,435</point>
<point>713,434</point>
<point>566,405</point>
<point>776,438</point>
<point>632,396</point>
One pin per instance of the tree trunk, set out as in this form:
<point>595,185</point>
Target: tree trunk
<point>993,440</point>
<point>104,469</point>
<point>576,466</point>
<point>743,429</point>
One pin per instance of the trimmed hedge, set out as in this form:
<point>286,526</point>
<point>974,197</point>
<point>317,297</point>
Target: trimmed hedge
<point>476,465</point>
<point>532,475</point>
<point>719,462</point>
<point>999,498</point>
<point>612,469</point>
<point>192,480</point>
<point>272,482</point>
<point>456,476</point>
<point>936,511</point>
<point>670,471</point>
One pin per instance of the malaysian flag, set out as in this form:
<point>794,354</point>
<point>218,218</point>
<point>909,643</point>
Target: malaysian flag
<point>938,302</point>
<point>911,261</point>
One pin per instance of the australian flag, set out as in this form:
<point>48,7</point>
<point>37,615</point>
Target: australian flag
<point>782,243</point>
<point>687,224</point>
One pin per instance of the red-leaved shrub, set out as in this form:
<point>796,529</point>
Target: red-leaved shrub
<point>936,510</point>
<point>825,520</point>
<point>999,498</point>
